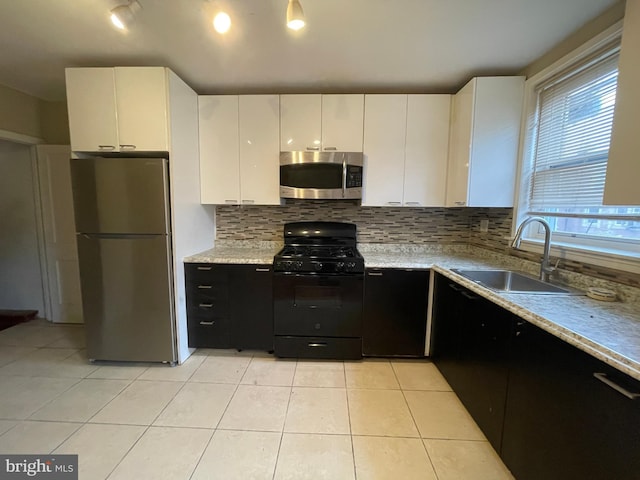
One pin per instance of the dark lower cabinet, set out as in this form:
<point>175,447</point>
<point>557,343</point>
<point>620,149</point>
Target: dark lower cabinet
<point>549,409</point>
<point>251,299</point>
<point>208,313</point>
<point>562,421</point>
<point>229,306</point>
<point>395,312</point>
<point>471,337</point>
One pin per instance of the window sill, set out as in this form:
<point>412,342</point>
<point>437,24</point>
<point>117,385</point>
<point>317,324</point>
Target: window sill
<point>615,259</point>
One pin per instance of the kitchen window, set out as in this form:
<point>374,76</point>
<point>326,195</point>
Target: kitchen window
<point>564,160</point>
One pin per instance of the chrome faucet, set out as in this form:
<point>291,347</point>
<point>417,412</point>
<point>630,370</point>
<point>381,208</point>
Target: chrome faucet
<point>545,268</point>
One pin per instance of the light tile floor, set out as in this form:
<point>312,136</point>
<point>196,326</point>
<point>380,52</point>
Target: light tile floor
<point>230,415</point>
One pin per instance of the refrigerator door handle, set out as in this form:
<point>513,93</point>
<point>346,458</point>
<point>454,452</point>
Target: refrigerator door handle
<point>127,236</point>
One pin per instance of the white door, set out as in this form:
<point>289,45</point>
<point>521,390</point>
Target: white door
<point>91,101</point>
<point>259,123</point>
<point>300,122</point>
<point>219,154</point>
<point>342,122</point>
<point>141,99</point>
<point>63,277</point>
<point>385,122</point>
<point>426,151</point>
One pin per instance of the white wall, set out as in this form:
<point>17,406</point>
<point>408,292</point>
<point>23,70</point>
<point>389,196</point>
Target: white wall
<point>20,274</point>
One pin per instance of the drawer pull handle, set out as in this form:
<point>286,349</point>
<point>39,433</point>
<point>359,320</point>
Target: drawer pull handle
<point>331,148</point>
<point>248,202</point>
<point>205,287</point>
<point>468,295</point>
<point>206,305</point>
<point>207,323</point>
<point>205,268</point>
<point>313,149</point>
<point>231,202</point>
<point>127,147</point>
<point>263,269</point>
<point>317,344</point>
<point>394,203</point>
<point>607,381</point>
<point>374,274</point>
<point>106,147</point>
<point>412,203</point>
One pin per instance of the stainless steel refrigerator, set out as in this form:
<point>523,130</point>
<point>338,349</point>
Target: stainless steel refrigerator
<point>124,244</point>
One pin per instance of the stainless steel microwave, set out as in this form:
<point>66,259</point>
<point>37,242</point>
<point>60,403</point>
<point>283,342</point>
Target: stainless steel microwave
<point>321,175</point>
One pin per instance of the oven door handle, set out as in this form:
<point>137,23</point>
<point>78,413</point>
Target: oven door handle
<point>317,344</point>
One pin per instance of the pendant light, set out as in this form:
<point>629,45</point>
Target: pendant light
<point>222,22</point>
<point>295,15</point>
<point>122,15</point>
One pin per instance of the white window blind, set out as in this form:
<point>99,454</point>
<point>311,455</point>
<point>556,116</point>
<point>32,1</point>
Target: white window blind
<point>573,130</point>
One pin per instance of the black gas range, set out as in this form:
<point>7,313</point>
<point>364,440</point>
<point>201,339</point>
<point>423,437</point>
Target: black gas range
<point>319,247</point>
<point>318,287</point>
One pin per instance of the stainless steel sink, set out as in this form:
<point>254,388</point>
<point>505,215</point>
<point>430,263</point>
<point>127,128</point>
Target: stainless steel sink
<point>512,282</point>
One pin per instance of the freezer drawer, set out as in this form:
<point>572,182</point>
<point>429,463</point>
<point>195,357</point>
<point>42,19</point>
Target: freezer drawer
<point>127,297</point>
<point>120,195</point>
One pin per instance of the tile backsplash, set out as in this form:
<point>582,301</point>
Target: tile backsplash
<point>394,225</point>
<point>375,224</point>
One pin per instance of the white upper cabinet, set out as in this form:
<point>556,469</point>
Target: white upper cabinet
<point>385,118</point>
<point>426,150</point>
<point>342,122</point>
<point>141,106</point>
<point>219,149</point>
<point>623,166</point>
<point>321,122</point>
<point>121,109</point>
<point>485,132</point>
<point>406,141</point>
<point>300,122</point>
<point>239,151</point>
<point>91,101</point>
<point>259,149</point>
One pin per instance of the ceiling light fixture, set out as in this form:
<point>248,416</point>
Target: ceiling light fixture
<point>295,15</point>
<point>122,15</point>
<point>222,22</point>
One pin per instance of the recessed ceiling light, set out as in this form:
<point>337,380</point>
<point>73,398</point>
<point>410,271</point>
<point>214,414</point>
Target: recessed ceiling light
<point>295,15</point>
<point>122,15</point>
<point>222,22</point>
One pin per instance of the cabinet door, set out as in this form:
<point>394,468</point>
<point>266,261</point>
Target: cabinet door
<point>141,99</point>
<point>219,152</point>
<point>623,168</point>
<point>300,122</point>
<point>426,150</point>
<point>561,422</point>
<point>259,121</point>
<point>460,145</point>
<point>91,101</point>
<point>495,134</point>
<point>342,122</point>
<point>385,118</point>
<point>470,347</point>
<point>395,313</point>
<point>252,304</point>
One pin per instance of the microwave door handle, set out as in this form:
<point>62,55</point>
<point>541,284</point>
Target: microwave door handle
<point>344,178</point>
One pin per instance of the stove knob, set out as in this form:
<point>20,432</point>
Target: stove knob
<point>317,265</point>
<point>298,265</point>
<point>351,265</point>
<point>339,266</point>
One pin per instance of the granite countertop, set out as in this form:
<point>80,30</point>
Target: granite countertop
<point>240,251</point>
<point>610,331</point>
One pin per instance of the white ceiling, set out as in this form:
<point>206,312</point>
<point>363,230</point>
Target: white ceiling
<point>347,46</point>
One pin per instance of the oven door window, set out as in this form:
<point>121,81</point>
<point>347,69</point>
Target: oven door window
<point>317,296</point>
<point>312,175</point>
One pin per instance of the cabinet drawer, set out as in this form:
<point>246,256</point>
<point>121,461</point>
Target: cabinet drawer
<point>205,273</point>
<point>208,332</point>
<point>318,347</point>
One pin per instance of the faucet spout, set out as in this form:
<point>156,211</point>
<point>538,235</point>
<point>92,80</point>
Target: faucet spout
<point>545,268</point>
